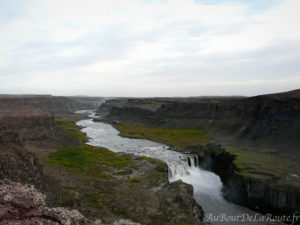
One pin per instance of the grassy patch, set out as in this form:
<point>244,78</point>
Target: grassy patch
<point>95,200</point>
<point>261,165</point>
<point>251,163</point>
<point>179,138</point>
<point>135,180</point>
<point>161,166</point>
<point>118,162</point>
<point>104,175</point>
<point>69,127</point>
<point>86,156</point>
<point>124,172</point>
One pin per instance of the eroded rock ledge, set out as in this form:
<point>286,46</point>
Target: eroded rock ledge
<point>23,205</point>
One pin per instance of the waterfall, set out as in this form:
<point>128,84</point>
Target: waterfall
<point>207,185</point>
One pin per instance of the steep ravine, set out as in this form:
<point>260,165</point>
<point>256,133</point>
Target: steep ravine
<point>258,194</point>
<point>207,185</point>
<point>266,125</point>
<point>109,188</point>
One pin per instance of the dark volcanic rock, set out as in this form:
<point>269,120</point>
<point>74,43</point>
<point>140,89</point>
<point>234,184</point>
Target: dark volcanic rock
<point>24,123</point>
<point>271,121</point>
<point>24,205</point>
<point>19,165</point>
<point>16,126</point>
<point>54,104</point>
<point>179,195</point>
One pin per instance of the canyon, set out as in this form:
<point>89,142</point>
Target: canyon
<point>251,143</point>
<point>111,188</point>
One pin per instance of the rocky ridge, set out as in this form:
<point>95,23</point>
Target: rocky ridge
<point>48,103</point>
<point>269,121</point>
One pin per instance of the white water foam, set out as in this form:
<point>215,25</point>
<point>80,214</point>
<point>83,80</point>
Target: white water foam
<point>207,185</point>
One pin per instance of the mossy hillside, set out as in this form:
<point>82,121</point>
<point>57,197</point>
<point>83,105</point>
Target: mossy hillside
<point>255,164</point>
<point>86,156</point>
<point>68,126</point>
<point>178,138</point>
<point>110,185</point>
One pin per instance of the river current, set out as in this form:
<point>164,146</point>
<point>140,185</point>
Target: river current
<point>207,185</point>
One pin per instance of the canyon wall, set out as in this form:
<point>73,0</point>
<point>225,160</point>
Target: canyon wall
<point>48,103</point>
<point>267,123</point>
<point>271,121</point>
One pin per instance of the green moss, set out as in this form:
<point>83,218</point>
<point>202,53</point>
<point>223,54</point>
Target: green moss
<point>250,162</point>
<point>179,138</point>
<point>161,166</point>
<point>260,165</point>
<point>104,175</point>
<point>69,127</point>
<point>124,172</point>
<point>135,180</point>
<point>86,156</point>
<point>119,161</point>
<point>94,199</point>
<point>72,157</point>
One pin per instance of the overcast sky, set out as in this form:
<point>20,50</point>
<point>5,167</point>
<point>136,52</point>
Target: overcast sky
<point>149,47</point>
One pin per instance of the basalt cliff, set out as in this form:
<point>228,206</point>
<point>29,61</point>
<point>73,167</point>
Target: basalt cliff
<point>252,143</point>
<point>267,121</point>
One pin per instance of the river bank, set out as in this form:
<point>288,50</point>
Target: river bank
<point>49,152</point>
<point>207,185</point>
<point>255,151</point>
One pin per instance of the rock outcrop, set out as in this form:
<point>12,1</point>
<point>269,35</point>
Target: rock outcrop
<point>48,103</point>
<point>17,126</point>
<point>24,123</point>
<point>24,205</point>
<point>264,195</point>
<point>19,165</point>
<point>271,121</point>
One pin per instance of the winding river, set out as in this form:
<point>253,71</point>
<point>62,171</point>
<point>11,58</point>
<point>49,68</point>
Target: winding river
<point>207,185</point>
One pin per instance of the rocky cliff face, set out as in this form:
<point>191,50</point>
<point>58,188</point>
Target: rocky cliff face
<point>23,123</point>
<point>271,121</point>
<point>24,205</point>
<point>258,194</point>
<point>17,126</point>
<point>19,165</point>
<point>48,103</point>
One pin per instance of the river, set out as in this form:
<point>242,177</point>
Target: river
<point>207,185</point>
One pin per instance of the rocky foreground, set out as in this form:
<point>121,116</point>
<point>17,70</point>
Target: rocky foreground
<point>24,205</point>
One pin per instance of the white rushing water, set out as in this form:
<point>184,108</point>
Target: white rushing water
<point>207,185</point>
